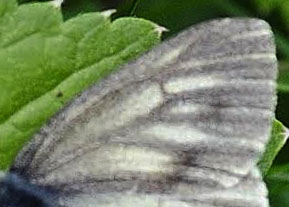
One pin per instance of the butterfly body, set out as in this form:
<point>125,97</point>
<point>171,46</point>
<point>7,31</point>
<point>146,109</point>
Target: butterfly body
<point>183,125</point>
<point>17,192</point>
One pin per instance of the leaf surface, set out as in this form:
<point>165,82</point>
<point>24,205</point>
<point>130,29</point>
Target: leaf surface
<point>278,139</point>
<point>45,62</point>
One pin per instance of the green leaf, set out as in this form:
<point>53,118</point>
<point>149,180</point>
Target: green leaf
<point>7,6</point>
<point>276,142</point>
<point>45,62</point>
<point>277,176</point>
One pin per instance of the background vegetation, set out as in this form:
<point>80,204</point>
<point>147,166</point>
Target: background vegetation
<point>177,15</point>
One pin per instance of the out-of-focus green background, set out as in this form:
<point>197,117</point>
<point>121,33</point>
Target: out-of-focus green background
<point>176,15</point>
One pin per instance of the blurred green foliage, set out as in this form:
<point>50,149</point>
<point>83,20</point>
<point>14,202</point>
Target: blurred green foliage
<point>177,15</point>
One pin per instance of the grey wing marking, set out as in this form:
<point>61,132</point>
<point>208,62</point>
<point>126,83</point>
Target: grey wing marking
<point>181,126</point>
<point>250,191</point>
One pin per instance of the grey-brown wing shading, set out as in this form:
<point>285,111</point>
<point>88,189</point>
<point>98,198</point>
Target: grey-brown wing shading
<point>183,125</point>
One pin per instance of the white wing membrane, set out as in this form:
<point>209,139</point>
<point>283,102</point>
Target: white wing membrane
<point>184,126</point>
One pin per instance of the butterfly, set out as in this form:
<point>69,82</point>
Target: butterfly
<point>181,126</point>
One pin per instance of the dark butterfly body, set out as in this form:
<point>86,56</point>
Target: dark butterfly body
<point>181,126</point>
<point>18,192</point>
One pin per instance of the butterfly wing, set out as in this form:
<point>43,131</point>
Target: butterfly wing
<point>183,125</point>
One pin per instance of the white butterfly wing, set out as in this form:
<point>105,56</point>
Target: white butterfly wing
<point>183,125</point>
